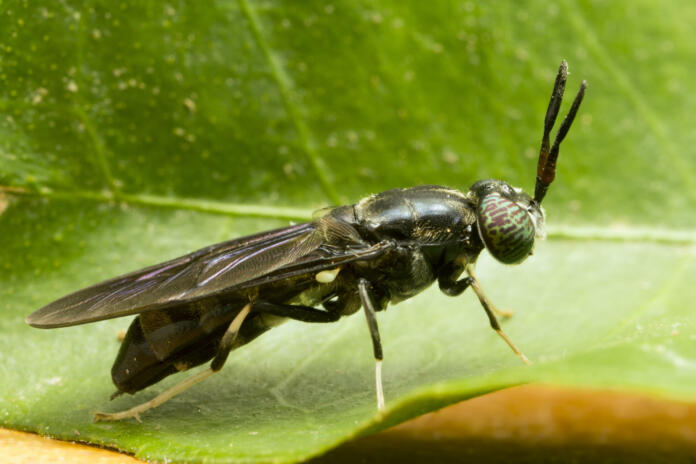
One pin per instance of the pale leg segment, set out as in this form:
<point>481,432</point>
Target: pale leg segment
<point>180,387</point>
<point>369,307</point>
<point>504,313</point>
<point>378,381</point>
<point>490,310</point>
<point>163,397</point>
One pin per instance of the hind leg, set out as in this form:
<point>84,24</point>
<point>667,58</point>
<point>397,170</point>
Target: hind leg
<point>301,313</point>
<point>180,387</point>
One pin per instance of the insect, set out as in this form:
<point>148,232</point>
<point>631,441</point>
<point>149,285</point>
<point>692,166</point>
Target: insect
<point>384,249</point>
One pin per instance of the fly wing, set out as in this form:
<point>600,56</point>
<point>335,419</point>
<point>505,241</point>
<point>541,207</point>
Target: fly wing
<point>211,270</point>
<point>341,244</point>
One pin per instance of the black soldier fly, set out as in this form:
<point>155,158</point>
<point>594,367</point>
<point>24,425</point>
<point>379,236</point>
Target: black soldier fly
<point>384,249</point>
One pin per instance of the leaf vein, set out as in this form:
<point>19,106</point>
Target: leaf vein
<point>99,158</point>
<point>580,233</point>
<point>636,98</point>
<point>284,84</point>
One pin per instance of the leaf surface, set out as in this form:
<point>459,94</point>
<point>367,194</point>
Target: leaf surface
<point>139,131</point>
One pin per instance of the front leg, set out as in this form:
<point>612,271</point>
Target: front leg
<point>450,286</point>
<point>489,308</point>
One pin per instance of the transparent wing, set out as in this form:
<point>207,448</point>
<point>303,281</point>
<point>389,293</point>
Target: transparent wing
<point>215,270</point>
<point>211,270</point>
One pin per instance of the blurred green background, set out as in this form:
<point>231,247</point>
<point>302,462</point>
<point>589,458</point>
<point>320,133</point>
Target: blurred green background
<point>132,132</point>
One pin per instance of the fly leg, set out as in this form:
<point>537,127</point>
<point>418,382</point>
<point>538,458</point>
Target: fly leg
<point>227,340</point>
<point>489,308</point>
<point>369,307</point>
<point>296,312</point>
<point>450,286</point>
<point>301,313</point>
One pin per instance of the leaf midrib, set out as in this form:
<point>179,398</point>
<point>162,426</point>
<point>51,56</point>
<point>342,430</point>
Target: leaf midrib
<point>627,233</point>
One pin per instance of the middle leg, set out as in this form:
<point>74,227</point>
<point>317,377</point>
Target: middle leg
<point>370,313</point>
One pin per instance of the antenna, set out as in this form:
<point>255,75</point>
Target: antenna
<point>546,168</point>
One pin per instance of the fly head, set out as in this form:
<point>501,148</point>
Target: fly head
<point>508,220</point>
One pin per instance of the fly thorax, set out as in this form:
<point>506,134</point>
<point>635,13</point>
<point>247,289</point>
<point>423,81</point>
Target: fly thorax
<point>410,276</point>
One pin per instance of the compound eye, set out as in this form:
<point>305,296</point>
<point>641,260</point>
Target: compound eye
<point>505,228</point>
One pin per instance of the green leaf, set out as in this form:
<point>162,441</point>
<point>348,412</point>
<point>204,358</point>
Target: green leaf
<point>139,131</point>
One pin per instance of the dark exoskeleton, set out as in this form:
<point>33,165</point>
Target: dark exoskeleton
<point>384,249</point>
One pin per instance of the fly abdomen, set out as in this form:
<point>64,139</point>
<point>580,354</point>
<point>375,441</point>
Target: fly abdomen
<point>137,365</point>
<point>162,343</point>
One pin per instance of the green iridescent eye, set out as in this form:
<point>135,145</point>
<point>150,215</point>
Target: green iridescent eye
<point>505,228</point>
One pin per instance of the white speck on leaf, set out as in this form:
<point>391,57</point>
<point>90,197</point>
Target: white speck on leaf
<point>53,380</point>
<point>190,104</point>
<point>376,18</point>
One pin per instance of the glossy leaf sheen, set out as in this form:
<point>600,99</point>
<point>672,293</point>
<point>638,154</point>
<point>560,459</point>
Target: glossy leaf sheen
<point>130,123</point>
